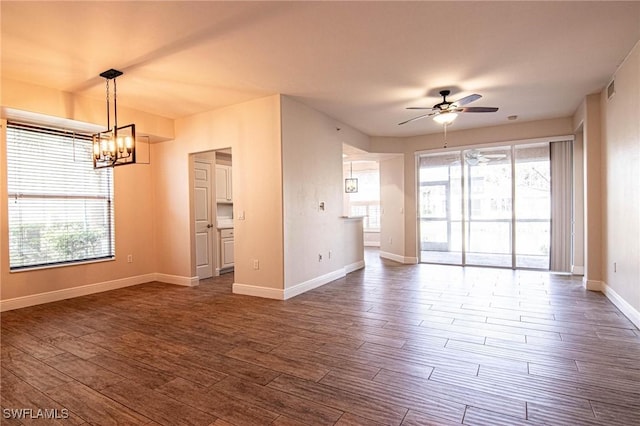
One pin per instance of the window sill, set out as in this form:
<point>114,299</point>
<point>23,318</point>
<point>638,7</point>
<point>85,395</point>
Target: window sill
<point>59,265</point>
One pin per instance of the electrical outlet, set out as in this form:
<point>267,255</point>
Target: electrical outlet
<point>256,264</point>
<point>319,257</point>
<point>129,258</point>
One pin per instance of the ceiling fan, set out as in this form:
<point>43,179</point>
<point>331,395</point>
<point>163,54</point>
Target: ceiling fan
<point>473,157</point>
<point>446,111</point>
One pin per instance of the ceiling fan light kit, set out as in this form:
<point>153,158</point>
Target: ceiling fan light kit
<point>445,117</point>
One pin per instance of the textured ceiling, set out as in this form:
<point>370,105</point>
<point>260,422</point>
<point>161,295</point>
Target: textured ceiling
<point>359,62</point>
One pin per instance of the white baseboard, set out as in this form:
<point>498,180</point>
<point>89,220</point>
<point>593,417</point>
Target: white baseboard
<point>577,270</point>
<point>397,258</point>
<point>629,311</point>
<point>254,290</point>
<point>84,290</point>
<point>354,267</point>
<point>68,293</point>
<point>177,280</point>
<point>303,287</point>
<point>313,283</point>
<point>592,285</point>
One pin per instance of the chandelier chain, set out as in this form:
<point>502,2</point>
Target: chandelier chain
<point>108,112</point>
<point>115,105</point>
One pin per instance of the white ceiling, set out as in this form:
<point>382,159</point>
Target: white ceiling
<point>359,62</point>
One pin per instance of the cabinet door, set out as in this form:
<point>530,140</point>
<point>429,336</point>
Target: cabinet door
<point>229,184</point>
<point>227,253</point>
<point>223,179</point>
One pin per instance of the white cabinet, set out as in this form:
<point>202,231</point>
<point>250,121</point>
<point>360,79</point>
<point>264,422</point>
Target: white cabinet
<point>224,193</point>
<point>226,249</point>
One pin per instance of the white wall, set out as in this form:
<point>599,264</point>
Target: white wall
<point>252,130</point>
<point>621,186</point>
<point>312,174</point>
<point>392,203</point>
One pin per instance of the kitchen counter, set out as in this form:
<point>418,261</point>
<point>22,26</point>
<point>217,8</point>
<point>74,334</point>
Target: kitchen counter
<point>224,223</point>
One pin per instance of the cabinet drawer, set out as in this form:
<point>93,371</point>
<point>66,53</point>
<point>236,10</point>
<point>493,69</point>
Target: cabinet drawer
<point>226,233</point>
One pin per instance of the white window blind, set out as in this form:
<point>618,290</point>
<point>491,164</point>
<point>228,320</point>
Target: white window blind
<point>60,208</point>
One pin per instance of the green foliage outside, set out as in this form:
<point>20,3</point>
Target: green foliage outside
<point>36,244</point>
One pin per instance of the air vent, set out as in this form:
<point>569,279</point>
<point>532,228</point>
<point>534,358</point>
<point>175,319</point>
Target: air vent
<point>611,89</point>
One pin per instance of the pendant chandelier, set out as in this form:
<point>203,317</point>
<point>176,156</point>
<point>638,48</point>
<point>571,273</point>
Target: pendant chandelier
<point>115,146</point>
<point>351,183</point>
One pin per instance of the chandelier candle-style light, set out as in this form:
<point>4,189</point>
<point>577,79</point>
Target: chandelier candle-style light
<point>115,146</point>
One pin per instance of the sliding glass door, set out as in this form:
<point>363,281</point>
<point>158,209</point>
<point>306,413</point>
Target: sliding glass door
<point>533,205</point>
<point>488,195</point>
<point>440,212</point>
<point>486,206</point>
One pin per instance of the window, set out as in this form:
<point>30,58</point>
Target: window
<point>60,208</point>
<point>487,206</point>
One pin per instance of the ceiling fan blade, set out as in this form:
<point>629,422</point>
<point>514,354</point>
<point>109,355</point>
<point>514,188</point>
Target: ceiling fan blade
<point>414,119</point>
<point>419,107</point>
<point>477,109</point>
<point>467,99</point>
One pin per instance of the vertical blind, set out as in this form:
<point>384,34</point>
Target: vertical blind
<point>60,208</point>
<point>561,205</point>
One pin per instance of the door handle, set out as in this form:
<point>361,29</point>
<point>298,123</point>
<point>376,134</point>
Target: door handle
<point>209,225</point>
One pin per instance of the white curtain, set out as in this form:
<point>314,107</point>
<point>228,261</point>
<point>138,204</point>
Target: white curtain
<point>561,189</point>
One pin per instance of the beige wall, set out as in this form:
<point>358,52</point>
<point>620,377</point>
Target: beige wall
<point>133,186</point>
<point>312,173</point>
<point>621,182</point>
<point>252,131</point>
<point>409,147</point>
<point>134,223</point>
<point>577,249</point>
<point>287,158</point>
<point>588,118</point>
<point>63,105</point>
<point>392,203</point>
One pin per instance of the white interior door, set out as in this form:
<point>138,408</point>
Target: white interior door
<point>203,218</point>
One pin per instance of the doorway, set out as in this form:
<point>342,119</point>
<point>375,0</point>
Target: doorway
<point>212,212</point>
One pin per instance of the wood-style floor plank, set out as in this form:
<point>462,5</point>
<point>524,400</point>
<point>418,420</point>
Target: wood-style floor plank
<point>278,401</point>
<point>155,405</point>
<point>387,345</point>
<point>378,411</point>
<point>233,410</point>
<point>94,406</point>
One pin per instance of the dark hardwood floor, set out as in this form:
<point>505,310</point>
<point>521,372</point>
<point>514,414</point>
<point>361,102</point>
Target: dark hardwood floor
<point>390,344</point>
